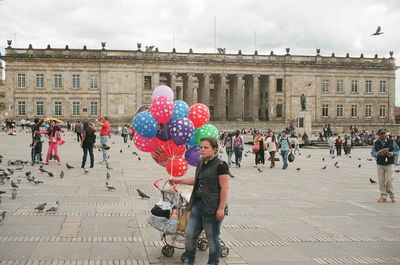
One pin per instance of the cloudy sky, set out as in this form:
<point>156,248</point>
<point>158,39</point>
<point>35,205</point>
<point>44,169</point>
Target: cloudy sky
<point>338,26</point>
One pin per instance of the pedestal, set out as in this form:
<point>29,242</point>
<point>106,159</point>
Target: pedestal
<point>304,123</point>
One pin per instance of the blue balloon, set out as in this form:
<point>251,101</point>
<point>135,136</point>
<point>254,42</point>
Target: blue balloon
<point>145,125</point>
<point>192,140</point>
<point>181,110</point>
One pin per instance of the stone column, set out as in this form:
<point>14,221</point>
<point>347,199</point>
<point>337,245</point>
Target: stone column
<point>238,93</point>
<point>256,96</point>
<point>219,98</point>
<point>271,88</point>
<point>172,83</point>
<point>156,80</point>
<point>204,89</point>
<point>139,90</point>
<point>188,88</point>
<point>104,93</point>
<point>391,100</point>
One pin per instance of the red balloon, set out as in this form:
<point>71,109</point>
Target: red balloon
<point>159,157</point>
<point>177,167</point>
<point>162,109</point>
<point>171,150</point>
<point>145,144</point>
<point>199,114</point>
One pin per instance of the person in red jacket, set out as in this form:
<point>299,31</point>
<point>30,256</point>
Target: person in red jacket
<point>338,145</point>
<point>104,135</point>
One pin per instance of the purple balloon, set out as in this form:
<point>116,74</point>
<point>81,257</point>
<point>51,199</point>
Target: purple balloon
<point>192,155</point>
<point>181,130</point>
<point>163,133</point>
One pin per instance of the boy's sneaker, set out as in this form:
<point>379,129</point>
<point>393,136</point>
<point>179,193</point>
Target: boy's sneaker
<point>382,199</point>
<point>393,198</point>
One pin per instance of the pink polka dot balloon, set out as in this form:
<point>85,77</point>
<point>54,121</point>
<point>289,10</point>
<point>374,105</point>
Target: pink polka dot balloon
<point>177,167</point>
<point>162,109</point>
<point>145,144</point>
<point>199,114</point>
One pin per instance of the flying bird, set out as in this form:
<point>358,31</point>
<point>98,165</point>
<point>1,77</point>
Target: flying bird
<point>378,32</point>
<point>14,194</point>
<point>69,166</point>
<point>109,187</point>
<point>40,207</point>
<point>54,208</point>
<point>142,195</point>
<point>372,181</point>
<point>2,216</point>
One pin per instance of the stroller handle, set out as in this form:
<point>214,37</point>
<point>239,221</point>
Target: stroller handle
<point>155,183</point>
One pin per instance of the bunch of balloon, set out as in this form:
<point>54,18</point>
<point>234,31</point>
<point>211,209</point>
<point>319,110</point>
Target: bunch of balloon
<point>171,131</point>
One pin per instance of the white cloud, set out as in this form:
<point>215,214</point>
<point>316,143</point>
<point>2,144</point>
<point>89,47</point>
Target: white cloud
<point>339,26</point>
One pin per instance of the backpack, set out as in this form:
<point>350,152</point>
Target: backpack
<point>238,142</point>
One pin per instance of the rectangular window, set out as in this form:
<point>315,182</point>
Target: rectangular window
<point>339,86</point>
<point>21,80</point>
<point>76,81</point>
<point>93,109</point>
<point>57,81</point>
<point>93,81</point>
<point>382,86</point>
<point>279,85</point>
<point>368,86</point>
<point>58,108</point>
<point>21,108</point>
<point>354,111</point>
<point>325,110</point>
<point>354,86</point>
<point>382,111</point>
<point>76,111</point>
<point>279,110</point>
<point>368,111</point>
<point>39,108</point>
<point>39,80</point>
<point>147,82</point>
<point>339,111</point>
<point>325,86</point>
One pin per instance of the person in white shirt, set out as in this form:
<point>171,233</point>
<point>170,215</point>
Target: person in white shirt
<point>331,144</point>
<point>271,147</point>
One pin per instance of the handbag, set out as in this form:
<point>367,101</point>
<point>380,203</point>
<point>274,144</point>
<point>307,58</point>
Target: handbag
<point>291,157</point>
<point>256,147</point>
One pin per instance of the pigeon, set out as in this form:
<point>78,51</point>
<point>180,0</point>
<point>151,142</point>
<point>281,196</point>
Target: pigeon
<point>369,159</point>
<point>113,142</point>
<point>142,195</point>
<point>85,171</point>
<point>232,176</point>
<point>13,185</point>
<point>11,171</point>
<point>259,170</point>
<point>107,166</point>
<point>109,187</point>
<point>108,175</point>
<point>349,156</point>
<point>336,163</point>
<point>397,171</point>
<point>323,159</point>
<point>50,174</point>
<point>120,151</point>
<point>69,166</point>
<point>377,32</point>
<point>134,153</point>
<point>337,166</point>
<point>36,181</point>
<point>2,192</point>
<point>298,169</point>
<point>54,208</point>
<point>324,167</point>
<point>28,173</point>
<point>42,170</point>
<point>129,146</point>
<point>61,174</point>
<point>139,158</point>
<point>372,181</point>
<point>14,194</point>
<point>245,154</point>
<point>358,158</point>
<point>2,216</point>
<point>333,157</point>
<point>19,168</point>
<point>19,180</point>
<point>40,207</point>
<point>359,165</point>
<point>308,156</point>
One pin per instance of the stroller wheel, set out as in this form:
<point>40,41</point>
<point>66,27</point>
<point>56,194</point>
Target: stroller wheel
<point>202,245</point>
<point>224,252</point>
<point>168,251</point>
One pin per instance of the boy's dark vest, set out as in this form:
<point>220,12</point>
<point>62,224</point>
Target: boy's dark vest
<point>211,188</point>
<point>384,160</point>
<point>90,138</point>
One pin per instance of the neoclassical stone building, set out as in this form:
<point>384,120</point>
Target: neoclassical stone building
<point>241,90</point>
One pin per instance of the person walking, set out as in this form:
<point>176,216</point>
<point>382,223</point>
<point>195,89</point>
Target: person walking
<point>385,150</point>
<point>228,143</point>
<point>397,160</point>
<point>53,132</point>
<point>271,147</point>
<point>78,130</point>
<point>347,145</point>
<point>259,143</point>
<point>285,147</point>
<point>125,131</point>
<point>87,142</point>
<point>35,128</point>
<point>104,135</point>
<point>238,147</point>
<point>331,144</point>
<point>338,146</point>
<point>208,202</point>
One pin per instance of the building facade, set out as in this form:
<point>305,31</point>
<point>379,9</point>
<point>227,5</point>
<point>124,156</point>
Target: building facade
<point>243,89</point>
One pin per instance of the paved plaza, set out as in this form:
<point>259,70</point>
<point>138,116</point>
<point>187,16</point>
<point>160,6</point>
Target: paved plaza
<point>307,216</point>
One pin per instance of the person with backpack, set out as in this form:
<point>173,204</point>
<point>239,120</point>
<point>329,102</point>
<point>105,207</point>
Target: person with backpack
<point>238,147</point>
<point>284,145</point>
<point>87,142</point>
<point>259,149</point>
<point>228,143</point>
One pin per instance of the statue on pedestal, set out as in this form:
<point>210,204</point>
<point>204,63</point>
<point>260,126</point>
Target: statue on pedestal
<point>303,102</point>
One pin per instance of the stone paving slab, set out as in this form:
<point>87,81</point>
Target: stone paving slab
<point>306,216</point>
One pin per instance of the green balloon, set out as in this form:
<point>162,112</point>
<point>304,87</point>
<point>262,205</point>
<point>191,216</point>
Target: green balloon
<point>207,130</point>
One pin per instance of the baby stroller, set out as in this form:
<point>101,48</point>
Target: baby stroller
<point>173,235</point>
